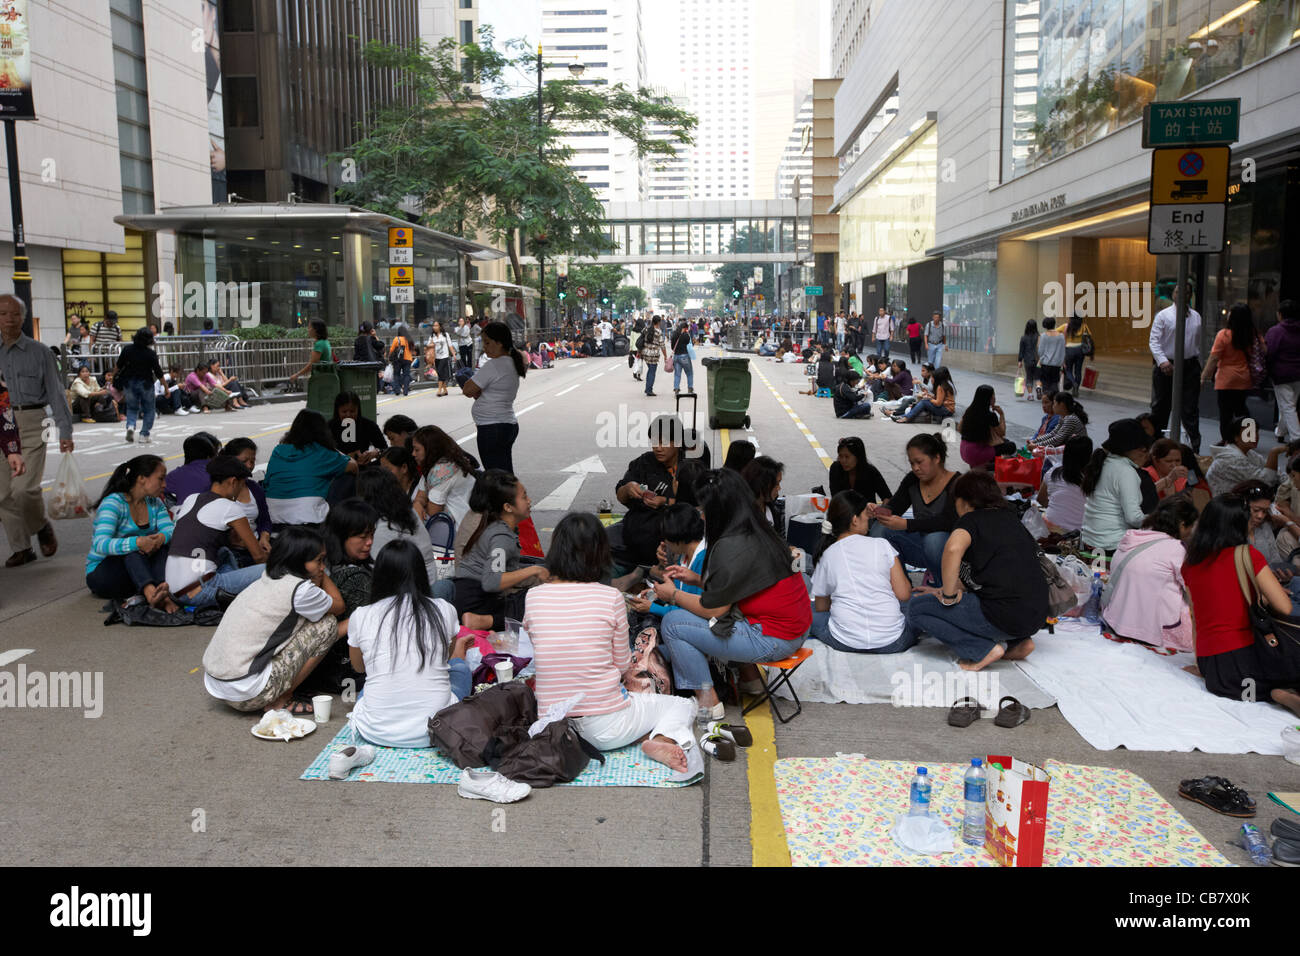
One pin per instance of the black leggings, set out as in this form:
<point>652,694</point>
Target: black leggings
<point>1232,404</point>
<point>472,599</point>
<point>120,576</point>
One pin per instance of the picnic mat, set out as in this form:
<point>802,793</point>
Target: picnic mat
<point>926,675</point>
<point>1122,695</point>
<point>838,811</point>
<point>627,767</point>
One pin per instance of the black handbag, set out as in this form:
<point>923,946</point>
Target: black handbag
<point>1278,636</point>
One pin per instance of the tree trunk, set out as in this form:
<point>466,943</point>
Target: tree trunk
<point>514,263</point>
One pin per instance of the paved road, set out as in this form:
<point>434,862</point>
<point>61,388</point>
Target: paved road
<point>127,788</point>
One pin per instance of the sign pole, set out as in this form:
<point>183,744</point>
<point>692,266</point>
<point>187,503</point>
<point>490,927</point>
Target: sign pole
<point>22,270</point>
<point>1180,333</point>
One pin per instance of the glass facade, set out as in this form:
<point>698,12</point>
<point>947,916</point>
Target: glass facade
<point>970,300</point>
<point>1077,70</point>
<point>889,223</point>
<point>437,284</point>
<point>706,237</point>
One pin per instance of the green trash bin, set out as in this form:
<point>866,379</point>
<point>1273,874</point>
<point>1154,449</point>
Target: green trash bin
<point>362,378</point>
<point>728,387</point>
<point>322,388</point>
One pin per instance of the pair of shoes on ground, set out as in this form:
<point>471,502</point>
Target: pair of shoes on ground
<point>721,739</point>
<point>1011,713</point>
<point>1286,843</point>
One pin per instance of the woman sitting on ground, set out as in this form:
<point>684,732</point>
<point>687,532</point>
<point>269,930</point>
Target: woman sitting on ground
<point>654,479</point>
<point>354,435</point>
<point>754,606</point>
<point>1073,422</point>
<point>1112,488</point>
<point>219,379</point>
<point>740,454</point>
<point>252,498</point>
<point>579,631</point>
<point>1261,530</point>
<point>763,475</point>
<point>850,401</point>
<point>404,642</point>
<point>1228,655</point>
<point>398,460</point>
<point>448,482</point>
<point>128,547</point>
<point>1287,500</point>
<point>990,554</point>
<point>1166,468</point>
<point>1143,599</point>
<point>984,430</point>
<point>899,382</point>
<point>489,581</point>
<point>399,430</point>
<point>942,405</point>
<point>1198,486</point>
<point>850,469</point>
<point>1049,420</point>
<point>927,491</point>
<point>1062,488</point>
<point>682,528</point>
<point>1238,461</point>
<point>379,488</point>
<point>858,584</point>
<point>277,630</point>
<point>301,469</point>
<point>209,396</point>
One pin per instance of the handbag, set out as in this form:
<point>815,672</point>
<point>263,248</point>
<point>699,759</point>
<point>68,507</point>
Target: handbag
<point>1020,385</point>
<point>1060,595</point>
<point>558,754</point>
<point>68,498</point>
<point>1277,635</point>
<point>668,359</point>
<point>1016,470</point>
<point>1256,360</point>
<point>1089,347</point>
<point>465,729</point>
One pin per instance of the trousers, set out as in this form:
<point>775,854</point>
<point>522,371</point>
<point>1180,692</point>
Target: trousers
<point>22,506</point>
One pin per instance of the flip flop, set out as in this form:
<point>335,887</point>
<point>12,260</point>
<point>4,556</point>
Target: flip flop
<point>1219,794</point>
<point>737,733</point>
<point>964,712</point>
<point>718,746</point>
<point>1011,714</point>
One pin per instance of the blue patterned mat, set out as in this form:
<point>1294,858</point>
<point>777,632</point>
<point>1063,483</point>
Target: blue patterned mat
<point>627,767</point>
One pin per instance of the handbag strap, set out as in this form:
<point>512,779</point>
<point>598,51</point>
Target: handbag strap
<point>1113,581</point>
<point>1241,559</point>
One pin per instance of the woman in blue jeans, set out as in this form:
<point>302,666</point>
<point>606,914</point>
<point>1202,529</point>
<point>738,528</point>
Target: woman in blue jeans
<point>994,596</point>
<point>752,593</point>
<point>681,345</point>
<point>137,368</point>
<point>927,493</point>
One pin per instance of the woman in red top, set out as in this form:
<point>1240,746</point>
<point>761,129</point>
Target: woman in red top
<point>1233,664</point>
<point>1166,468</point>
<point>915,342</point>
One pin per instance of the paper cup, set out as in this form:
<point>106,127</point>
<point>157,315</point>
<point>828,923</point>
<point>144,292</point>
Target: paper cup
<point>505,671</point>
<point>321,706</point>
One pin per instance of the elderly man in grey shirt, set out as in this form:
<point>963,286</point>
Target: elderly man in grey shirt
<point>34,382</point>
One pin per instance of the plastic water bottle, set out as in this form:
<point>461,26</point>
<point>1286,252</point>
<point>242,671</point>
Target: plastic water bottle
<point>976,789</point>
<point>919,802</point>
<point>1256,845</point>
<point>1092,610</point>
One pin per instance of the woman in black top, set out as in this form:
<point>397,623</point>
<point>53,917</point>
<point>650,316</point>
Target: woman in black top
<point>137,367</point>
<point>851,470</point>
<point>1028,358</point>
<point>983,430</point>
<point>990,553</point>
<point>681,344</point>
<point>927,490</point>
<point>365,347</point>
<point>653,481</point>
<point>360,438</point>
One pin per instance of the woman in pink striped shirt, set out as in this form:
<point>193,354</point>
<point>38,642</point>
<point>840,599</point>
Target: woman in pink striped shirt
<point>578,627</point>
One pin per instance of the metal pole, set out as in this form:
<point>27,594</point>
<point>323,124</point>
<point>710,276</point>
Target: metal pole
<point>22,269</point>
<point>541,259</point>
<point>1180,325</point>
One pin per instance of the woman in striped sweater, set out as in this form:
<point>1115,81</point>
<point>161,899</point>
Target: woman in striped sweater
<point>1073,422</point>
<point>128,548</point>
<point>578,627</point>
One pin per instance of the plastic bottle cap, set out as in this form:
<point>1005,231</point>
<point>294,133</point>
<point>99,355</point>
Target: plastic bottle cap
<point>920,770</point>
<point>976,761</point>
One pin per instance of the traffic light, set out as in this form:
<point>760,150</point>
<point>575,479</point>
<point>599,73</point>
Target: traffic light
<point>561,287</point>
<point>604,297</point>
<point>736,288</point>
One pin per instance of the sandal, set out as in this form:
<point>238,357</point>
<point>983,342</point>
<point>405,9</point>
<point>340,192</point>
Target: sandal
<point>736,733</point>
<point>300,708</point>
<point>1011,713</point>
<point>718,746</point>
<point>964,712</point>
<point>1219,795</point>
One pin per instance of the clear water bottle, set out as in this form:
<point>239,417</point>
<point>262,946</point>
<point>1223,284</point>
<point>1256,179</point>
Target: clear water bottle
<point>1256,845</point>
<point>918,804</point>
<point>976,790</point>
<point>1092,610</point>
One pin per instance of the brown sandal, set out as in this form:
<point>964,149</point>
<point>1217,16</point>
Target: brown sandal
<point>964,712</point>
<point>1011,713</point>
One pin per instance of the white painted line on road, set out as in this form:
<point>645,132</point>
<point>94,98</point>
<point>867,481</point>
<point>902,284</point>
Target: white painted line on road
<point>465,438</point>
<point>567,390</point>
<point>524,411</point>
<point>597,375</point>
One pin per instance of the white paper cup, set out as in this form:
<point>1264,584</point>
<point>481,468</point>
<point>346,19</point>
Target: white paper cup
<point>505,671</point>
<point>321,704</point>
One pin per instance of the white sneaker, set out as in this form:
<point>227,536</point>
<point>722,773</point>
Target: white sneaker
<point>144,440</point>
<point>182,411</point>
<point>348,759</point>
<point>480,785</point>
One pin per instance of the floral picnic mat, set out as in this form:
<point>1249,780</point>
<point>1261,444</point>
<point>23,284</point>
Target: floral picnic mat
<point>626,767</point>
<point>838,811</point>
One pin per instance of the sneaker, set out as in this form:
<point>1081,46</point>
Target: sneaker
<point>182,411</point>
<point>130,435</point>
<point>146,440</point>
<point>489,785</point>
<point>348,759</point>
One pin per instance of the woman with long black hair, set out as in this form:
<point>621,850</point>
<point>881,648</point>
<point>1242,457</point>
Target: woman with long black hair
<point>493,388</point>
<point>1229,365</point>
<point>984,430</point>
<point>1072,421</point>
<point>301,469</point>
<point>489,580</point>
<point>1077,338</point>
<point>754,606</point>
<point>851,470</point>
<point>128,548</point>
<point>380,488</point>
<point>322,353</point>
<point>1062,488</point>
<point>1028,357</point>
<point>404,641</point>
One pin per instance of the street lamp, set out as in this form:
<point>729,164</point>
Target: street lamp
<point>575,68</point>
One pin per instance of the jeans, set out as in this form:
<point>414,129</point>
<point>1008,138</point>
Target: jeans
<point>882,347</point>
<point>821,631</point>
<point>861,410</point>
<point>1073,367</point>
<point>1162,391</point>
<point>937,412</point>
<point>935,354</point>
<point>962,626</point>
<point>462,681</point>
<point>495,444</point>
<point>120,576</point>
<point>920,549</point>
<point>139,400</point>
<point>229,578</point>
<point>839,340</point>
<point>688,644</point>
<point>682,363</point>
<point>650,369</point>
<point>402,376</point>
<point>606,347</point>
<point>1288,418</point>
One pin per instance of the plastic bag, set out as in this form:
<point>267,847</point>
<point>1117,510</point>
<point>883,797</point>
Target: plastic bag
<point>68,498</point>
<point>1033,520</point>
<point>1079,577</point>
<point>1020,386</point>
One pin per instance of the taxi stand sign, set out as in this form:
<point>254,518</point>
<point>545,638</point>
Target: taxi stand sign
<point>1189,195</point>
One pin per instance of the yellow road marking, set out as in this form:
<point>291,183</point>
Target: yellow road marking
<point>807,432</point>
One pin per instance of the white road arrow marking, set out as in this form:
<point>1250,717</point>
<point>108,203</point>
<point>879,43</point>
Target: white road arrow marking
<point>561,499</point>
<point>8,657</point>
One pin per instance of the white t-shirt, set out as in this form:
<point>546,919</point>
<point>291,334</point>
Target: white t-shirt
<point>854,574</point>
<point>1065,502</point>
<point>606,331</point>
<point>309,601</point>
<point>441,346</point>
<point>183,570</point>
<point>500,384</point>
<point>400,697</point>
<point>450,487</point>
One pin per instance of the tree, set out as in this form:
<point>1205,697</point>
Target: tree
<point>745,240</point>
<point>476,164</point>
<point>629,298</point>
<point>675,290</point>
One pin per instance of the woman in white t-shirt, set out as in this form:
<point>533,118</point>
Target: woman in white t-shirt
<point>858,585</point>
<point>493,388</point>
<point>441,345</point>
<point>448,479</point>
<point>1062,490</point>
<point>405,642</point>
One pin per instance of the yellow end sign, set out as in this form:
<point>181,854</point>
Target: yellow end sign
<point>401,275</point>
<point>1190,174</point>
<point>399,237</point>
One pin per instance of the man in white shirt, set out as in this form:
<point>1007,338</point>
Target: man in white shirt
<point>841,326</point>
<point>606,338</point>
<point>1162,344</point>
<point>882,330</point>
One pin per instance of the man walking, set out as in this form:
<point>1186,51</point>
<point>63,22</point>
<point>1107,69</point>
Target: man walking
<point>1162,343</point>
<point>606,338</point>
<point>841,328</point>
<point>935,339</point>
<point>882,331</point>
<point>34,382</point>
<point>107,329</point>
<point>1283,341</point>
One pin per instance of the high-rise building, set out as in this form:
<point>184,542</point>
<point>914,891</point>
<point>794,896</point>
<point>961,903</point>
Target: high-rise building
<point>604,36</point>
<point>797,157</point>
<point>449,18</point>
<point>849,22</point>
<point>669,178</point>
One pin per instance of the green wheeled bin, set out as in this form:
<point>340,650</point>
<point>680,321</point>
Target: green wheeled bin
<point>322,388</point>
<point>362,378</point>
<point>728,384</point>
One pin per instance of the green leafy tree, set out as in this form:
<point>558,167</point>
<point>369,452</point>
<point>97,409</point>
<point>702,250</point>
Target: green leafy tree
<point>629,297</point>
<point>745,240</point>
<point>675,289</point>
<point>478,164</point>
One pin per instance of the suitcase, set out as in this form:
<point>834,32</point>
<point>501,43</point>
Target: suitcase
<point>695,448</point>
